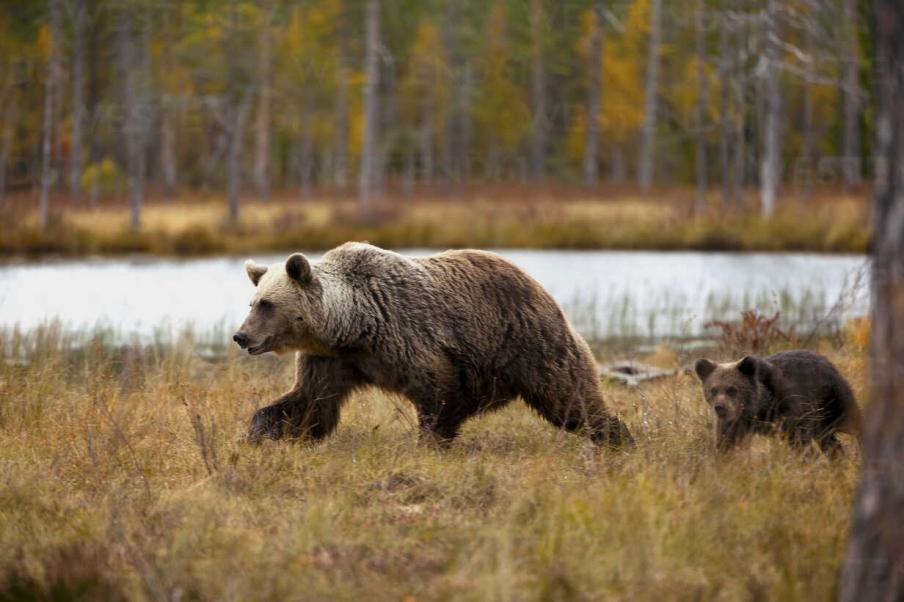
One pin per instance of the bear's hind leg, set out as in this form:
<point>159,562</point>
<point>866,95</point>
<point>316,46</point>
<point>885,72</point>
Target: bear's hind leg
<point>311,409</point>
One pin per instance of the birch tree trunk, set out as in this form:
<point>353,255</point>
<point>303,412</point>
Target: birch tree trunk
<point>873,567</point>
<point>740,92</point>
<point>340,167</point>
<point>648,139</point>
<point>538,92</point>
<point>239,116</point>
<point>264,102</point>
<point>306,151</point>
<point>809,71</point>
<point>168,146</point>
<point>450,27</point>
<point>78,105</point>
<point>466,123</point>
<point>725,166</point>
<point>769,166</point>
<point>425,142</point>
<point>700,36</point>
<point>168,105</point>
<point>369,145</point>
<point>135,110</point>
<point>851,162</point>
<point>594,94</point>
<point>50,91</point>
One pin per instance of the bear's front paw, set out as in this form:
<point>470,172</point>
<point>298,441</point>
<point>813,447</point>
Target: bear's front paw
<point>265,424</point>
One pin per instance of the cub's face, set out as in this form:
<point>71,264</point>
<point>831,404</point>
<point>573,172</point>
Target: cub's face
<point>730,389</point>
<point>282,308</point>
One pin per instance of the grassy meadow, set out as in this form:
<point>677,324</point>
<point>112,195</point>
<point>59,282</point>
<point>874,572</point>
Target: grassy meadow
<point>483,218</point>
<point>122,479</point>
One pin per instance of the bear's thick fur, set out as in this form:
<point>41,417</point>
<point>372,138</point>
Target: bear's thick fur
<point>457,333</point>
<point>797,394</point>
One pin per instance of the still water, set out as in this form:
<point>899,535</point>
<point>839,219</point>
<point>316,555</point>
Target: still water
<point>605,293</point>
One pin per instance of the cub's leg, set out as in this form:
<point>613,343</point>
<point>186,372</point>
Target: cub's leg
<point>830,446</point>
<point>311,408</point>
<point>728,436</point>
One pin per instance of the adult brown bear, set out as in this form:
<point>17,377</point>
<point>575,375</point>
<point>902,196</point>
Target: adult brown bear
<point>457,333</point>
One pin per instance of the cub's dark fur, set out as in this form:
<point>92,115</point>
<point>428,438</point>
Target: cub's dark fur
<point>797,394</point>
<point>457,333</point>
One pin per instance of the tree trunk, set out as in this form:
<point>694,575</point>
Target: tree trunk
<point>408,171</point>
<point>93,106</point>
<point>10,109</point>
<point>538,92</point>
<point>740,89</point>
<point>648,139</point>
<point>425,142</point>
<point>6,142</point>
<point>306,152</point>
<point>369,159</point>
<point>873,568</point>
<point>168,147</point>
<point>340,169</point>
<point>467,122</point>
<point>264,102</point>
<point>135,110</point>
<point>59,160</point>
<point>462,124</point>
<point>594,94</point>
<point>810,69</point>
<point>450,27</point>
<point>340,166</point>
<point>239,116</point>
<point>50,91</point>
<point>618,171</point>
<point>851,136</point>
<point>769,167</point>
<point>168,104</point>
<point>725,166</point>
<point>701,105</point>
<point>78,105</point>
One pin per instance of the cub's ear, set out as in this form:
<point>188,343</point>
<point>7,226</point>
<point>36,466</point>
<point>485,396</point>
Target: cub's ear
<point>703,368</point>
<point>255,272</point>
<point>299,269</point>
<point>748,366</point>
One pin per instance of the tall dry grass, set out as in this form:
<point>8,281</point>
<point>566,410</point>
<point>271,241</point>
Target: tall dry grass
<point>198,226</point>
<point>121,479</point>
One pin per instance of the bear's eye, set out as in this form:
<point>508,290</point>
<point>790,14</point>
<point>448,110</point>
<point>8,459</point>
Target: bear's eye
<point>731,391</point>
<point>264,304</point>
<point>714,391</point>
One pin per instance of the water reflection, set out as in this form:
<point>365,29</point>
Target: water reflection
<point>605,293</point>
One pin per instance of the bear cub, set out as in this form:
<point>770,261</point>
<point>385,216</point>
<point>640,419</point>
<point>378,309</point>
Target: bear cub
<point>798,395</point>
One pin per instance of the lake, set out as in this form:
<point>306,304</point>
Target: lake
<point>605,293</point>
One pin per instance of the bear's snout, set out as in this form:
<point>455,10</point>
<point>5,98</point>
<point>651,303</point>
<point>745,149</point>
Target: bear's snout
<point>241,338</point>
<point>721,410</point>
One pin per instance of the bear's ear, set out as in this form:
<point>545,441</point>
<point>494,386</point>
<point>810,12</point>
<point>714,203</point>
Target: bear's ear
<point>703,368</point>
<point>299,269</point>
<point>748,366</point>
<point>255,272</point>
